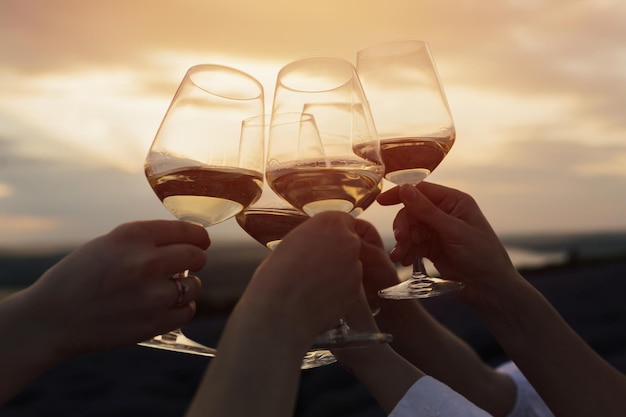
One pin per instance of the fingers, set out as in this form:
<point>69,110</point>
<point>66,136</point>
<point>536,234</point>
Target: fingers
<point>188,288</point>
<point>389,197</point>
<point>409,235</point>
<point>170,232</point>
<point>368,233</point>
<point>174,258</point>
<point>163,232</point>
<point>424,210</point>
<point>455,203</point>
<point>448,200</point>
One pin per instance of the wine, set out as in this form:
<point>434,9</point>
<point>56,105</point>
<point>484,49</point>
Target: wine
<point>204,194</point>
<point>269,226</point>
<point>367,200</point>
<point>339,185</point>
<point>410,160</point>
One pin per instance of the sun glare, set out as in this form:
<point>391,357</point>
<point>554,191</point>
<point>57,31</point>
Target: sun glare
<point>5,190</point>
<point>21,224</point>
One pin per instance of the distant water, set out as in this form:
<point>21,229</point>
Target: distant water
<point>545,249</point>
<point>525,258</point>
<point>540,250</point>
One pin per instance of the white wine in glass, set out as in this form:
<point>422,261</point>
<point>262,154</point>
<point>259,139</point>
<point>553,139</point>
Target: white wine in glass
<point>415,128</point>
<point>332,160</point>
<point>199,166</point>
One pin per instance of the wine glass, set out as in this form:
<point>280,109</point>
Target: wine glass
<point>331,160</point>
<point>415,128</point>
<point>270,218</point>
<point>198,164</point>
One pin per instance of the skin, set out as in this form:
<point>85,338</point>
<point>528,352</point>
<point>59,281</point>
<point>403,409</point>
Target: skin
<point>448,227</point>
<point>301,289</point>
<point>421,345</point>
<point>278,317</point>
<point>113,291</point>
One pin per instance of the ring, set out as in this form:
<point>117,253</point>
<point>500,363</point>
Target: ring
<point>182,290</point>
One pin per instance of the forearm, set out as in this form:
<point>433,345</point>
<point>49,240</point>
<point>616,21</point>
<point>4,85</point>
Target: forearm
<point>27,349</point>
<point>256,372</point>
<point>570,377</point>
<point>430,346</point>
<point>385,374</point>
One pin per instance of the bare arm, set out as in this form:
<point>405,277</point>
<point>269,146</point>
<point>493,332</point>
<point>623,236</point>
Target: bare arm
<point>257,369</point>
<point>571,378</point>
<point>424,342</point>
<point>111,292</point>
<point>448,227</point>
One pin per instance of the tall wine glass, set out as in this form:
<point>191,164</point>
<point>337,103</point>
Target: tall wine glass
<point>270,218</point>
<point>331,161</point>
<point>415,128</point>
<point>198,164</point>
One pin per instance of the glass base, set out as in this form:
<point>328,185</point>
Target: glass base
<point>341,337</point>
<point>176,341</point>
<point>420,286</point>
<point>317,358</point>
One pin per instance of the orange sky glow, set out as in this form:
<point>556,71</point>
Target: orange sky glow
<point>537,90</point>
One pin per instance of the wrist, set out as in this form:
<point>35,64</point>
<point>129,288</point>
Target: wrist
<point>43,334</point>
<point>374,364</point>
<point>513,309</point>
<point>270,324</point>
<point>505,295</point>
<point>31,348</point>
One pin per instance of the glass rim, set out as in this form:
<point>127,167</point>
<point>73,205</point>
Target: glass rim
<point>392,48</point>
<point>268,121</point>
<point>252,89</point>
<point>316,62</point>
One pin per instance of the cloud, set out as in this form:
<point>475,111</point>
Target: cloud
<point>536,88</point>
<point>535,185</point>
<point>54,202</point>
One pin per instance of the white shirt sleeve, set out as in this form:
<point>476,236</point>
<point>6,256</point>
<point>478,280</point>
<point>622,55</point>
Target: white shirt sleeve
<point>527,402</point>
<point>428,397</point>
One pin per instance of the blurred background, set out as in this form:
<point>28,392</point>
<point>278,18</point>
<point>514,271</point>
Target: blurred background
<point>537,90</point>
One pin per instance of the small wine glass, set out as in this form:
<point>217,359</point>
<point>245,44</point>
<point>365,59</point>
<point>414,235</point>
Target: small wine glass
<point>270,218</point>
<point>198,164</point>
<point>331,159</point>
<point>415,128</point>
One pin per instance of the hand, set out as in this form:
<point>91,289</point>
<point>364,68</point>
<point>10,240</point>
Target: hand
<point>306,284</point>
<point>447,226</point>
<point>116,289</point>
<point>378,270</point>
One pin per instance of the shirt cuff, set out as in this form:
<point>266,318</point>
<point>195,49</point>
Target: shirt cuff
<point>527,402</point>
<point>428,397</point>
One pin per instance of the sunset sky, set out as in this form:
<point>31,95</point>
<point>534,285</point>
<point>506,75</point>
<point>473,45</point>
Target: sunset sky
<point>537,90</point>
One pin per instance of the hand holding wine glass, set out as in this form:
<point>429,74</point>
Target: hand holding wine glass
<point>271,218</point>
<point>415,128</point>
<point>198,164</point>
<point>331,159</point>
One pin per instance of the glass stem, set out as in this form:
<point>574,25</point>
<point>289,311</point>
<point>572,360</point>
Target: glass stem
<point>419,270</point>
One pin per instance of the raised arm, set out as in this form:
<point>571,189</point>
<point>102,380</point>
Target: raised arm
<point>394,374</point>
<point>111,292</point>
<point>448,227</point>
<point>301,289</point>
